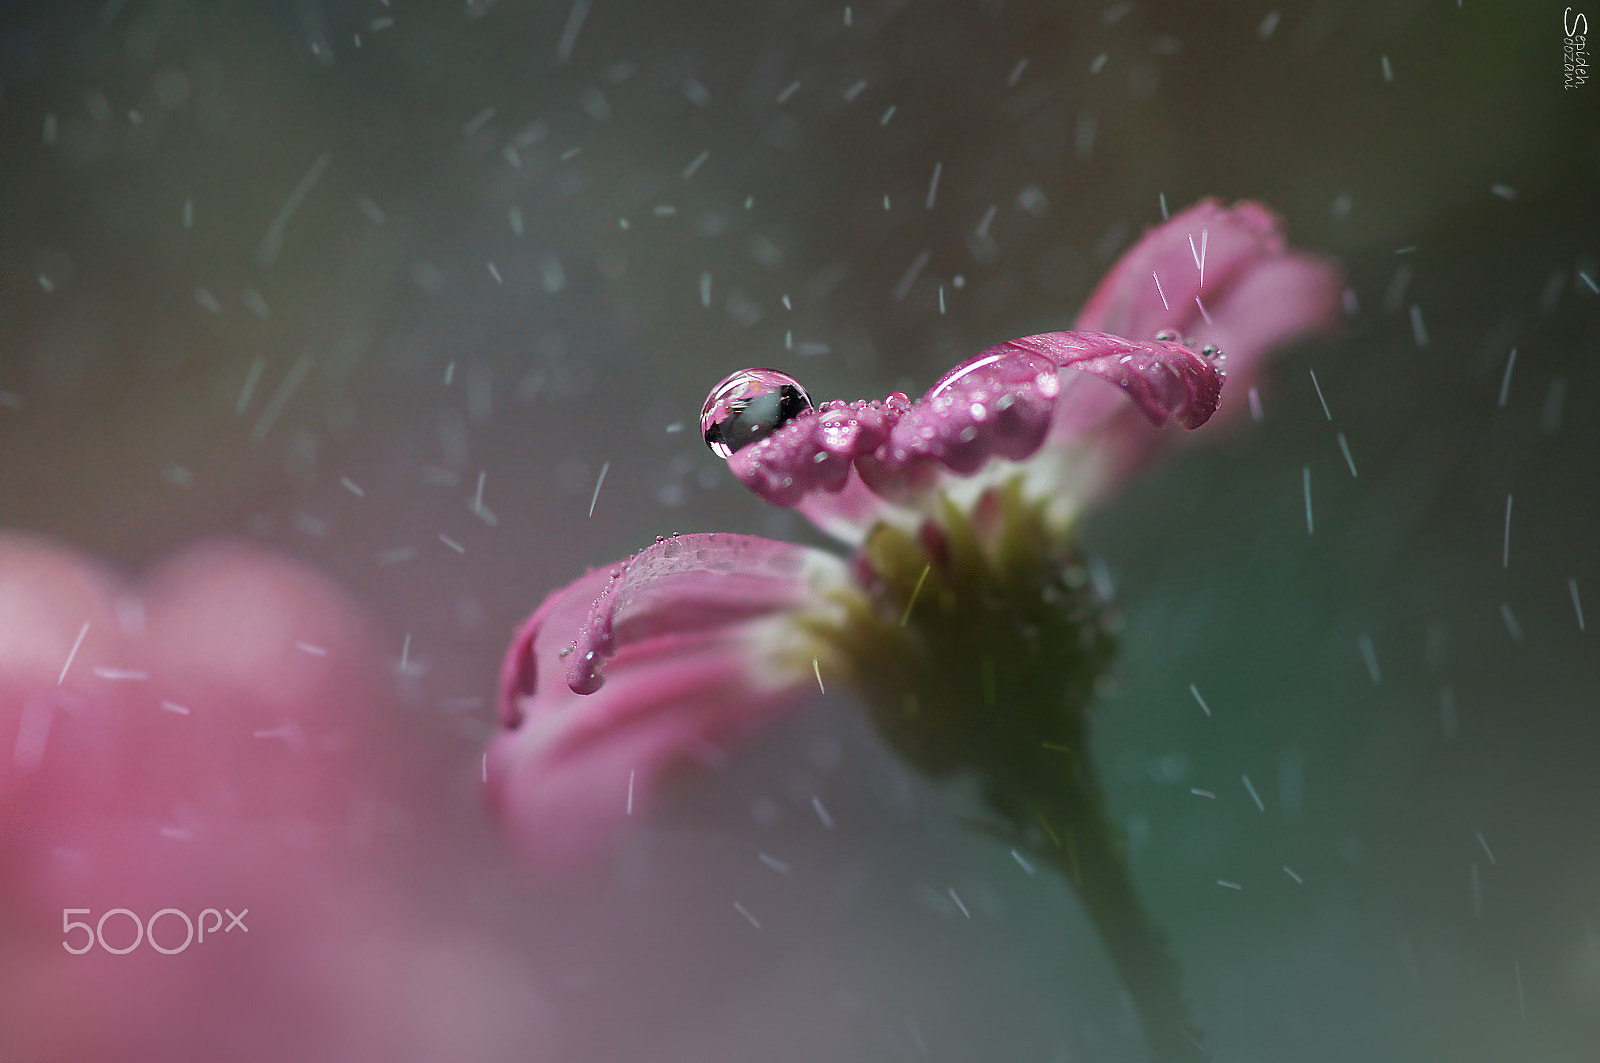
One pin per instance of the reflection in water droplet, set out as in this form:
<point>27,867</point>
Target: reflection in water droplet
<point>1167,335</point>
<point>748,406</point>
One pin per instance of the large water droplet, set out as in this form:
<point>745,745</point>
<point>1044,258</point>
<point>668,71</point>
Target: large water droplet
<point>749,406</point>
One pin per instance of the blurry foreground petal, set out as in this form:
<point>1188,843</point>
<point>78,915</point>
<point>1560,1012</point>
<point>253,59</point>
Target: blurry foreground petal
<point>229,683</point>
<point>329,960</point>
<point>209,742</point>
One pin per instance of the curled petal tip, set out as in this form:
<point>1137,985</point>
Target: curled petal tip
<point>583,675</point>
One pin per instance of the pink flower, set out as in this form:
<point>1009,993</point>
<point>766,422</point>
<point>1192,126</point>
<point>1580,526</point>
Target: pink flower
<point>217,736</point>
<point>954,502</point>
<point>227,683</point>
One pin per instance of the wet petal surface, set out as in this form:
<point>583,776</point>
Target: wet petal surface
<point>1000,404</point>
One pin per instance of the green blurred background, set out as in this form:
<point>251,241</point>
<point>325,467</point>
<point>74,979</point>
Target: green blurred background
<point>321,272</point>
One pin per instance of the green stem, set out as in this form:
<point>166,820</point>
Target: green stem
<point>978,641</point>
<point>1087,848</point>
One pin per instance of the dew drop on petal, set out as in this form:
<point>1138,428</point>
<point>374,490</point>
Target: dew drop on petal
<point>1167,335</point>
<point>748,406</point>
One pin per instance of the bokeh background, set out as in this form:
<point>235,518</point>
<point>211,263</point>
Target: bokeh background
<point>389,286</point>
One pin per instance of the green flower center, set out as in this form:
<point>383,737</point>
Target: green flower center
<point>977,643</point>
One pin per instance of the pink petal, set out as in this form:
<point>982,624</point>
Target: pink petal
<point>332,960</point>
<point>813,453</point>
<point>997,404</point>
<point>228,682</point>
<point>686,585</point>
<point>57,619</point>
<point>847,466</point>
<point>848,513</point>
<point>289,707</point>
<point>678,630</point>
<point>1257,293</point>
<point>1270,307</point>
<point>123,801</point>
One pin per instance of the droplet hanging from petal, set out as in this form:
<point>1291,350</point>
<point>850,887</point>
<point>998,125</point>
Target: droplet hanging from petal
<point>749,406</point>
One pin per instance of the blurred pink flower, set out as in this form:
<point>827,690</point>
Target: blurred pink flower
<point>217,736</point>
<point>690,646</point>
<point>228,683</point>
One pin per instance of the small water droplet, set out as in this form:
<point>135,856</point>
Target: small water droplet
<point>1167,335</point>
<point>566,651</point>
<point>749,406</point>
